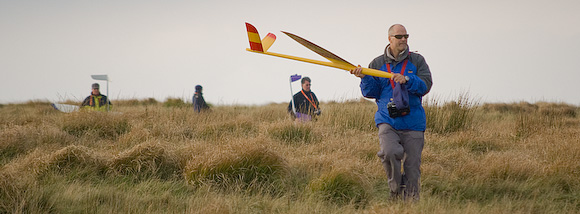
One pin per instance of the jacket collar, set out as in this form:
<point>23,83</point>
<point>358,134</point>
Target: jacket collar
<point>389,58</point>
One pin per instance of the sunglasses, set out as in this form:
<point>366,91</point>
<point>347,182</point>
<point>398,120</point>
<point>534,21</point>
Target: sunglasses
<point>401,36</point>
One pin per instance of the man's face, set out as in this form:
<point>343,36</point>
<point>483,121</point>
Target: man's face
<point>95,91</point>
<point>306,86</point>
<point>398,45</point>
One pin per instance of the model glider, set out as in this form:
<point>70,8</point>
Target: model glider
<point>65,107</point>
<point>262,46</point>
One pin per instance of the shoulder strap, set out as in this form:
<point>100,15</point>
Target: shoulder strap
<point>309,99</point>
<point>402,71</point>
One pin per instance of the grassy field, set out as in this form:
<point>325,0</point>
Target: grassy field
<point>161,157</point>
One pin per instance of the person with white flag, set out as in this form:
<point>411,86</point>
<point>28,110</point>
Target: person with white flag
<point>96,101</point>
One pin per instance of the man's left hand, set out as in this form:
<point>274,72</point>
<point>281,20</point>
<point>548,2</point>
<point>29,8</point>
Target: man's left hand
<point>399,78</point>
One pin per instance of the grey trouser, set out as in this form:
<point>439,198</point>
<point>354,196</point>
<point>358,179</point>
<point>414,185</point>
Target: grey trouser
<point>397,146</point>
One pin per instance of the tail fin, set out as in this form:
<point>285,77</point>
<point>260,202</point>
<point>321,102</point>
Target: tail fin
<point>254,37</point>
<point>255,43</point>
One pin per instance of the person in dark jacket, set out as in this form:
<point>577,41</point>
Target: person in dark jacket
<point>401,130</point>
<point>198,101</point>
<point>96,101</point>
<point>305,103</point>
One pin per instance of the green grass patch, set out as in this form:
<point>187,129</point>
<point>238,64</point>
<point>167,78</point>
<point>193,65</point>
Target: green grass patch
<point>254,169</point>
<point>147,161</point>
<point>99,125</point>
<point>450,117</point>
<point>293,133</point>
<point>340,188</point>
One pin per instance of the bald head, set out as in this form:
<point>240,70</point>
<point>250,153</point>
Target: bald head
<point>396,27</point>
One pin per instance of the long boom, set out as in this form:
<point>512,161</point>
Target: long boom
<point>262,46</point>
<point>366,71</point>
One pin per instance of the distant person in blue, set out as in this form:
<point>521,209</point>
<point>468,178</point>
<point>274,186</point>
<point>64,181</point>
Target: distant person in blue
<point>305,103</point>
<point>96,101</point>
<point>400,116</point>
<point>199,104</point>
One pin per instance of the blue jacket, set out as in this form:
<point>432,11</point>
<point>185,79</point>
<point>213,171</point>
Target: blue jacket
<point>418,85</point>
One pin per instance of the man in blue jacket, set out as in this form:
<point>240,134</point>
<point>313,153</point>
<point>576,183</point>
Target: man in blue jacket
<point>400,116</point>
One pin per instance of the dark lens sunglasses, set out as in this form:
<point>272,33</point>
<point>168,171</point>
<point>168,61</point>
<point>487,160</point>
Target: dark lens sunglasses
<point>401,36</point>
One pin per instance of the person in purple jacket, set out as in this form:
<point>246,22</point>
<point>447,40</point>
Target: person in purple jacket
<point>400,116</point>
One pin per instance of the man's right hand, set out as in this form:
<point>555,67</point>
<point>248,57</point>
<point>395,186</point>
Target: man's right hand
<point>357,72</point>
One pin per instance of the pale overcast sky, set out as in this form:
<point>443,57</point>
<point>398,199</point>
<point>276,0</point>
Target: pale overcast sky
<point>495,50</point>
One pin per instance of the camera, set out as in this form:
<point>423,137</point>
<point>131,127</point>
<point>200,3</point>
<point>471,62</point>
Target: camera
<point>395,112</point>
<point>317,111</point>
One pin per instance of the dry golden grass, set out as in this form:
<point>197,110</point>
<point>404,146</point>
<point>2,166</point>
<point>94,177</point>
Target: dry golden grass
<point>153,157</point>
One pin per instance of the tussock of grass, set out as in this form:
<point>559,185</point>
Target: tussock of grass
<point>525,126</point>
<point>450,117</point>
<point>12,193</point>
<point>293,133</point>
<point>26,114</point>
<point>475,145</point>
<point>507,108</point>
<point>175,102</point>
<point>339,187</point>
<point>18,140</point>
<point>136,102</point>
<point>253,169</point>
<point>512,158</point>
<point>95,125</point>
<point>72,159</point>
<point>528,124</point>
<point>17,196</point>
<point>547,109</point>
<point>147,160</point>
<point>557,110</point>
<point>352,115</point>
<point>225,129</point>
<point>268,113</point>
